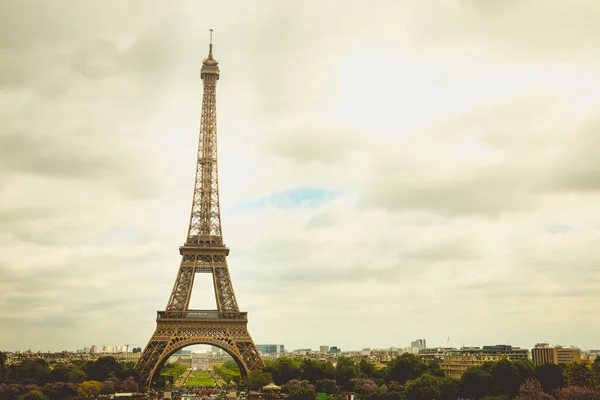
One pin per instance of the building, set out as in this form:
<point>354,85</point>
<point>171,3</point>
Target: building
<point>542,353</point>
<point>455,365</point>
<point>417,345</point>
<point>323,349</point>
<point>567,354</point>
<point>94,349</point>
<point>335,350</point>
<point>270,348</point>
<point>513,353</point>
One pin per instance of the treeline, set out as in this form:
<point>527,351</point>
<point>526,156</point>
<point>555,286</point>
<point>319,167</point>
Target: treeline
<point>229,372</point>
<point>36,379</point>
<point>407,377</point>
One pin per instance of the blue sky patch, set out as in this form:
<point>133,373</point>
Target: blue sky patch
<point>558,228</point>
<point>298,197</point>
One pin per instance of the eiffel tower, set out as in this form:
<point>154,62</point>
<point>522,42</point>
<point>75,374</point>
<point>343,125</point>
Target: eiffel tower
<point>203,252</point>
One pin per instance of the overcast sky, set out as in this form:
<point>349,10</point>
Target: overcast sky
<point>388,171</point>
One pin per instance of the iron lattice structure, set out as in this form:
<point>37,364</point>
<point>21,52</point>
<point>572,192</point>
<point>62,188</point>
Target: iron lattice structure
<point>203,252</point>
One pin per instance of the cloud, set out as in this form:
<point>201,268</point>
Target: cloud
<point>429,172</point>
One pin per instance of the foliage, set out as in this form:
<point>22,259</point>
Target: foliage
<point>299,390</point>
<point>425,387</point>
<point>60,390</point>
<point>227,374</point>
<point>363,385</point>
<point>33,395</point>
<point>89,389</point>
<point>345,370</point>
<point>328,386</point>
<point>316,370</point>
<point>284,370</point>
<point>476,383</point>
<point>404,368</point>
<point>129,385</point>
<point>174,371</point>
<point>549,376</point>
<point>257,379</point>
<point>577,393</point>
<point>580,374</point>
<point>532,390</point>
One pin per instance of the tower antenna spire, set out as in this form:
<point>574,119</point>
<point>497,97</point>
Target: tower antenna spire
<point>210,45</point>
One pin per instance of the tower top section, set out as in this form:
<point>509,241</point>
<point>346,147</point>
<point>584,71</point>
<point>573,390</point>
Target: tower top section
<point>210,66</point>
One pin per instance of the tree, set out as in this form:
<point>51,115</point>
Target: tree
<point>103,368</point>
<point>89,389</point>
<point>316,370</point>
<point>368,370</point>
<point>257,379</point>
<point>59,390</point>
<point>33,395</point>
<point>363,385</point>
<point>450,388</point>
<point>129,385</point>
<point>532,390</point>
<point>476,383</point>
<point>108,387</point>
<point>345,369</point>
<point>3,369</point>
<point>404,368</point>
<point>550,377</point>
<point>579,374</point>
<point>299,390</point>
<point>328,386</point>
<point>506,378</point>
<point>425,387</point>
<point>577,393</point>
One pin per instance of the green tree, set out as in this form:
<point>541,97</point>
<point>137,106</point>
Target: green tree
<point>33,395</point>
<point>425,387</point>
<point>3,369</point>
<point>328,386</point>
<point>316,370</point>
<point>450,388</point>
<point>299,390</point>
<point>550,377</point>
<point>89,389</point>
<point>579,374</point>
<point>404,368</point>
<point>475,383</point>
<point>368,369</point>
<point>257,379</point>
<point>345,369</point>
<point>506,378</point>
<point>103,368</point>
<point>286,369</point>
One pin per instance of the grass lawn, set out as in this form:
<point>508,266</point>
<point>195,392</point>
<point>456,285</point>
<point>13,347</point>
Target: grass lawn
<point>200,378</point>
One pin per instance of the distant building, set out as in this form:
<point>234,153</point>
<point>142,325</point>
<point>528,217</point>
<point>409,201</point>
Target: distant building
<point>542,353</point>
<point>216,350</point>
<point>417,345</point>
<point>334,350</point>
<point>270,348</point>
<point>323,349</point>
<point>454,363</point>
<point>94,349</point>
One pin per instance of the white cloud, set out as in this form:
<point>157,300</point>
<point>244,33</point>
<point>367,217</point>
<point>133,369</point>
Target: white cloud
<point>448,166</point>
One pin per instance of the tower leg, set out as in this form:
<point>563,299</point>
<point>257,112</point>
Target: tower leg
<point>231,336</point>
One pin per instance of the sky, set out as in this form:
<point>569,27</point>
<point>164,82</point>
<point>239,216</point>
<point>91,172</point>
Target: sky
<point>388,171</point>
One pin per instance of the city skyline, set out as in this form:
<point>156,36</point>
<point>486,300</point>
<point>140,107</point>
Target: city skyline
<point>386,173</point>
